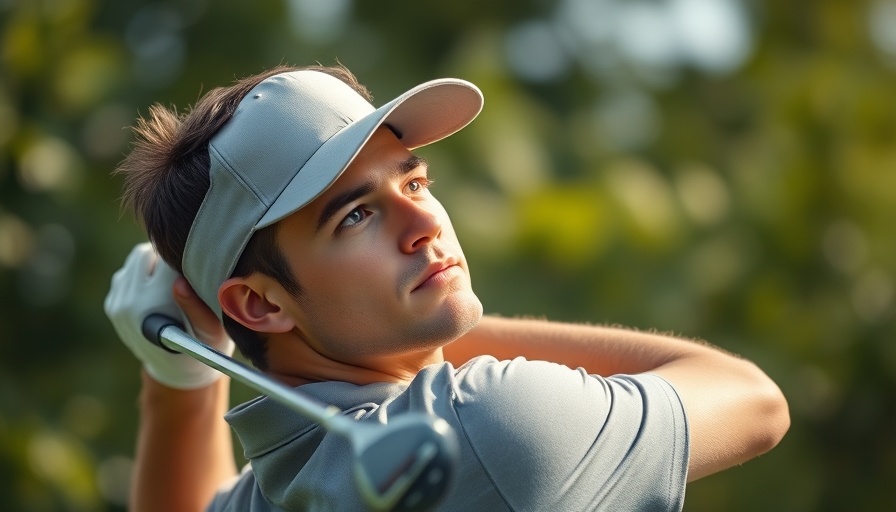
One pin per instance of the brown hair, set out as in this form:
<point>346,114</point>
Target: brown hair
<point>167,176</point>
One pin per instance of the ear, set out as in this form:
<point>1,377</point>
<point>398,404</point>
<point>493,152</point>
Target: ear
<point>252,301</point>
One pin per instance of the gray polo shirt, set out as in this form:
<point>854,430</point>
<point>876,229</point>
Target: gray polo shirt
<point>533,436</point>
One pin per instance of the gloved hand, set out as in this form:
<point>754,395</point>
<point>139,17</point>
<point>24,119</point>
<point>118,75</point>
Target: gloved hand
<point>144,286</point>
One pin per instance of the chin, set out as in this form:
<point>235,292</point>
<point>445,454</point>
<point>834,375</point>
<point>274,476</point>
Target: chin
<point>459,315</point>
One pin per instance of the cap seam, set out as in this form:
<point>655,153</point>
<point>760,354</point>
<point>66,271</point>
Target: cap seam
<point>239,175</point>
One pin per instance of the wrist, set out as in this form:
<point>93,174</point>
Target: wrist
<point>158,395</point>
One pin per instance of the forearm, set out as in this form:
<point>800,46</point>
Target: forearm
<point>598,349</point>
<point>184,447</point>
<point>735,411</point>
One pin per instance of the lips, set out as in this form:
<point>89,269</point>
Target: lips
<point>434,272</point>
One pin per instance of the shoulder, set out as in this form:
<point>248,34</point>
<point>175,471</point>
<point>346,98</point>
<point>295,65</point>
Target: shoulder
<point>487,382</point>
<point>530,392</point>
<point>557,426</point>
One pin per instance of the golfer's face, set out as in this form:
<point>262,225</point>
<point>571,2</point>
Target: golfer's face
<point>380,266</point>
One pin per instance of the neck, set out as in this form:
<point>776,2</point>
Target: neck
<point>294,362</point>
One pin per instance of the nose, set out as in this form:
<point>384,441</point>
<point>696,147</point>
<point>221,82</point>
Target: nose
<point>421,223</point>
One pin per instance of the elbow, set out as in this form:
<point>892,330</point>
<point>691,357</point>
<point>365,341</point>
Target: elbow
<point>772,413</point>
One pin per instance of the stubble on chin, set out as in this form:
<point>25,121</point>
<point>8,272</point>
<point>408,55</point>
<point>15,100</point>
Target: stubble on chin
<point>457,317</point>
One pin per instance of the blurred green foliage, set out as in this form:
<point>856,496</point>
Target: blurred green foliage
<point>721,169</point>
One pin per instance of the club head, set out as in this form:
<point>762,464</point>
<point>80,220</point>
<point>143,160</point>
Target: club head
<point>404,465</point>
<point>408,465</point>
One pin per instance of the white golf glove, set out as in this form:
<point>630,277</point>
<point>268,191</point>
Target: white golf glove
<point>144,286</point>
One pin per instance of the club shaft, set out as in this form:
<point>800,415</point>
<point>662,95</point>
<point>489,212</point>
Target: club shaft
<point>174,338</point>
<point>169,335</point>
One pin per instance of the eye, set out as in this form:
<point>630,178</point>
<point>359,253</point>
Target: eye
<point>354,217</point>
<point>419,184</point>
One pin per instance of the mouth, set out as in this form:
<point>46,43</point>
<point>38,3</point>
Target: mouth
<point>438,273</point>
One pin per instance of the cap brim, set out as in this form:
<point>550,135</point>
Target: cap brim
<point>423,115</point>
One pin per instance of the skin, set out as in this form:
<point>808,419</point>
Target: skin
<point>183,444</point>
<point>386,291</point>
<point>388,260</point>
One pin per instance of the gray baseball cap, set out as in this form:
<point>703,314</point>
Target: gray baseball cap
<point>289,139</point>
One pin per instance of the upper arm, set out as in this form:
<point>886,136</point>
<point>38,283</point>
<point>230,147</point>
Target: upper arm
<point>735,411</point>
<point>574,440</point>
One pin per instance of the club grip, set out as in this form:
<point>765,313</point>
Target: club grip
<point>152,329</point>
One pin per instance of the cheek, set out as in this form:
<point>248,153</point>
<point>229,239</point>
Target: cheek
<point>340,284</point>
<point>347,310</point>
<point>449,236</point>
<point>440,211</point>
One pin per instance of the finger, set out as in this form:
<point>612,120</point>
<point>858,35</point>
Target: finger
<point>129,274</point>
<point>204,321</point>
<point>140,262</point>
<point>150,259</point>
<point>163,274</point>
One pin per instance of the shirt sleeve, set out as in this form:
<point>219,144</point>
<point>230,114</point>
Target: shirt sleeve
<point>553,438</point>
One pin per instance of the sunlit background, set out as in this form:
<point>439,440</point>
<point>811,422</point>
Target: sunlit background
<point>722,169</point>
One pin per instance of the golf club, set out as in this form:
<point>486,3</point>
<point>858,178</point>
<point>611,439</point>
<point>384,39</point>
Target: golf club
<point>405,465</point>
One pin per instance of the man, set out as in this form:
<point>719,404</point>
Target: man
<point>304,223</point>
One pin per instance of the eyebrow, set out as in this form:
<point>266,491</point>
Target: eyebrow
<point>338,202</point>
<point>411,163</point>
